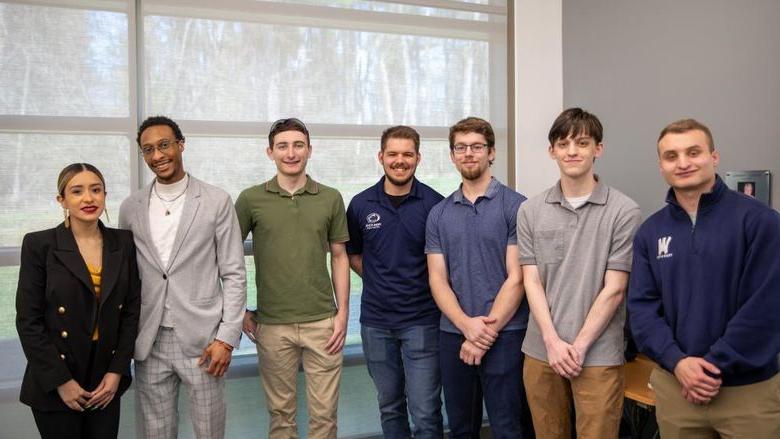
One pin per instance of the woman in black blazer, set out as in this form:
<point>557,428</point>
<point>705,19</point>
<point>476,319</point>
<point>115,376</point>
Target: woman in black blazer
<point>77,309</point>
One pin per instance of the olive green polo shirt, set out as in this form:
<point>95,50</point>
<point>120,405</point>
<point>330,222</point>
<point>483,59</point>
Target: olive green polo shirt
<point>292,235</point>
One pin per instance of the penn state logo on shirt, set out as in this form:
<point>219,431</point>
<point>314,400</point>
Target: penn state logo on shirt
<point>664,243</point>
<point>372,221</point>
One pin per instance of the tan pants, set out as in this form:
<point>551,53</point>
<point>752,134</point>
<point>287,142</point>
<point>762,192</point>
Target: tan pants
<point>751,411</point>
<point>280,350</point>
<point>598,400</point>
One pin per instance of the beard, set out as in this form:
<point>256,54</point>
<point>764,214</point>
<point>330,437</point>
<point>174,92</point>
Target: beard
<point>398,181</point>
<point>472,174</point>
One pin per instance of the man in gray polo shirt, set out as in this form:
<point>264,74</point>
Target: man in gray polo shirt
<point>575,248</point>
<point>476,281</point>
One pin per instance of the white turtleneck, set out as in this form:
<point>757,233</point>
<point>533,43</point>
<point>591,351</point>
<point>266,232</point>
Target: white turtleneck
<point>164,227</point>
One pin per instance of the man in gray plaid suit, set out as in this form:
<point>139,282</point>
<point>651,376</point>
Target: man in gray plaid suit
<point>191,262</point>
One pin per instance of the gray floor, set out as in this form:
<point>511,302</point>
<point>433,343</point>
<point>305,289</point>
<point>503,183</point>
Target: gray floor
<point>247,416</point>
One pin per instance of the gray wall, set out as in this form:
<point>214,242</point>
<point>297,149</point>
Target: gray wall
<point>639,65</point>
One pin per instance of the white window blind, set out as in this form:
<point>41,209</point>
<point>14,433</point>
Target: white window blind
<point>77,76</point>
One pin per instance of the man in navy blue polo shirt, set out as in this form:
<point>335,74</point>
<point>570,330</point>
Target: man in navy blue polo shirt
<point>399,319</point>
<point>476,280</point>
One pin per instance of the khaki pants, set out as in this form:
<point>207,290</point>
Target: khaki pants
<point>280,350</point>
<point>737,412</point>
<point>597,394</point>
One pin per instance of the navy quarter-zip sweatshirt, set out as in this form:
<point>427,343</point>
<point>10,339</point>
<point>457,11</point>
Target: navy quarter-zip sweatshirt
<point>711,289</point>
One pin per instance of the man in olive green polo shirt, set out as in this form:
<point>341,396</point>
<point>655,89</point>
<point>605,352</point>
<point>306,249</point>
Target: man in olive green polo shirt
<point>294,222</point>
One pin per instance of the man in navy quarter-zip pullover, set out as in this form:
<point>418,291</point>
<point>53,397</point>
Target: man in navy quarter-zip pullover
<point>704,298</point>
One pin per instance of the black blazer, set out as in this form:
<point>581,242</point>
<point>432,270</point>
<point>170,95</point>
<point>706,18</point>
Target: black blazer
<point>56,310</point>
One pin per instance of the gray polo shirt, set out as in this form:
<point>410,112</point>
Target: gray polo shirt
<point>473,239</point>
<point>572,249</point>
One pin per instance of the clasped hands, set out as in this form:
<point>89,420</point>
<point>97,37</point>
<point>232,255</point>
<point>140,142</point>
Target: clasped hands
<point>700,379</point>
<point>566,359</point>
<point>79,399</point>
<point>479,338</point>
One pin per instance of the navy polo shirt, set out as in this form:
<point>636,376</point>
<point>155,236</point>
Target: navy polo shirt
<point>396,294</point>
<point>473,239</point>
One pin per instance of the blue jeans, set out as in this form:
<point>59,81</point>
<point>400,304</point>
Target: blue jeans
<point>404,364</point>
<point>499,379</point>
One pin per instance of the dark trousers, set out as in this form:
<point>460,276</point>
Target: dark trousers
<point>89,424</point>
<point>499,380</point>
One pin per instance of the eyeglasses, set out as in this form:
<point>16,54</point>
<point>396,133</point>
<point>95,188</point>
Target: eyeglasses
<point>460,148</point>
<point>162,146</point>
<point>288,121</point>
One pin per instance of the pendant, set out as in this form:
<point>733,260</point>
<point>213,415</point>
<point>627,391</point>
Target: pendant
<point>167,212</point>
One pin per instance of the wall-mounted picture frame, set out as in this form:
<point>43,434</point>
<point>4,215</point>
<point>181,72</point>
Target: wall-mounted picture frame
<point>756,184</point>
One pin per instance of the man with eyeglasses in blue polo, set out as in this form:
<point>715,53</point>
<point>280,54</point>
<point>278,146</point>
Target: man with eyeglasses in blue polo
<point>476,280</point>
<point>294,222</point>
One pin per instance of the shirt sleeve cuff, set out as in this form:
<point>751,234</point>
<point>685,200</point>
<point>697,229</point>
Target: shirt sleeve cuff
<point>527,260</point>
<point>338,239</point>
<point>671,357</point>
<point>229,335</point>
<point>619,266</point>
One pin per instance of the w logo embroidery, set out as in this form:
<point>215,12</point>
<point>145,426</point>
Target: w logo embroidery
<point>663,247</point>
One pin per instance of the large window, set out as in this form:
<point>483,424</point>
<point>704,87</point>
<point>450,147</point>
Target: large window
<point>77,76</point>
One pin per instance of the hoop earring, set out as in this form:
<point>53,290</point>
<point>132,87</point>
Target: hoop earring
<point>105,210</point>
<point>67,217</point>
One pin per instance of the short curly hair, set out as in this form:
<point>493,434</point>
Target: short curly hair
<point>159,120</point>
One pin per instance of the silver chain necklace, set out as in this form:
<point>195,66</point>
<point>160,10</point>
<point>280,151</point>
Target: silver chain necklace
<point>169,203</point>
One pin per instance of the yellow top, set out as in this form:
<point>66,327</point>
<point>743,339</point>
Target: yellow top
<point>96,275</point>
